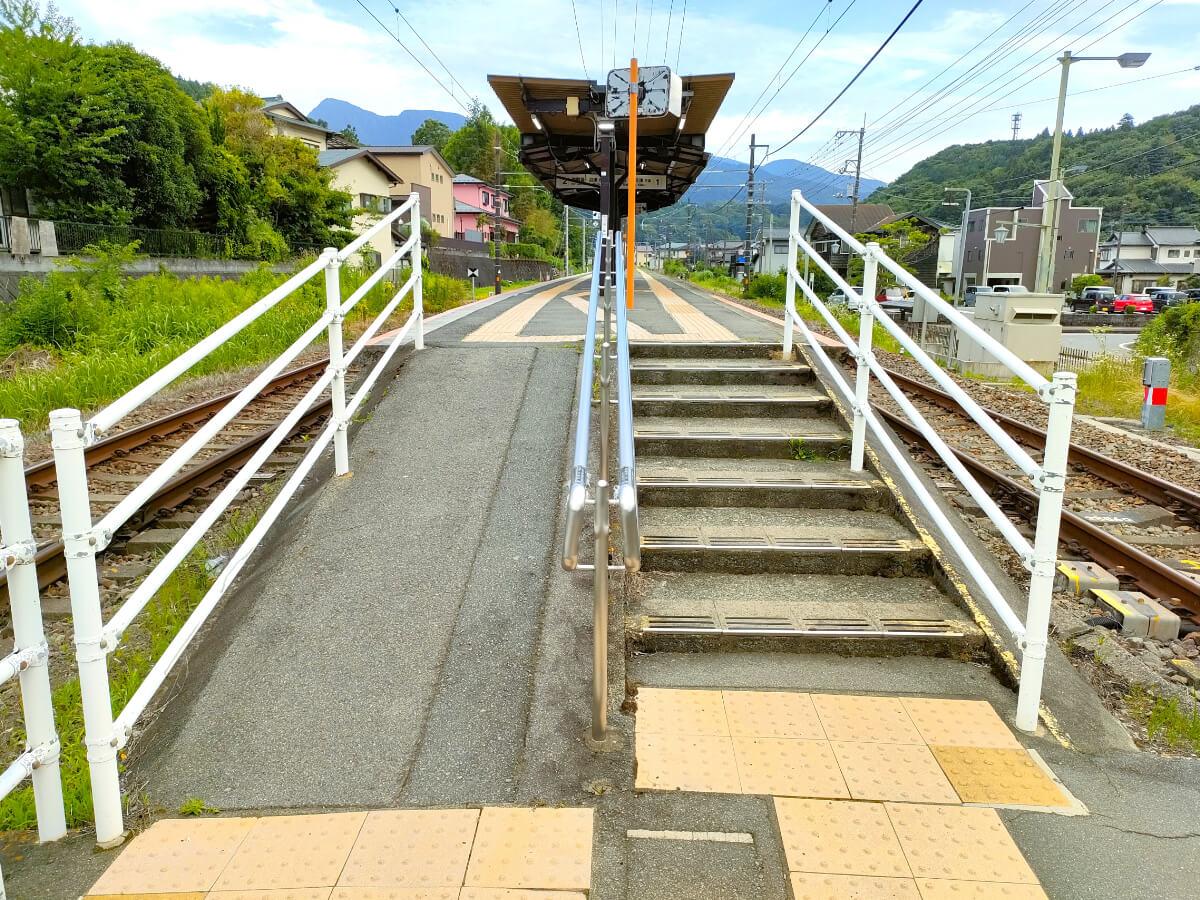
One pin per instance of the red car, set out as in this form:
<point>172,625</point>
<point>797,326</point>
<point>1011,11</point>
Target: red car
<point>1140,302</point>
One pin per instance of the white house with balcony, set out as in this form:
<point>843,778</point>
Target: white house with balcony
<point>1136,260</point>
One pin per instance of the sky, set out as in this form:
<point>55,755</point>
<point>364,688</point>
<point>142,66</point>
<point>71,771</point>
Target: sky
<point>790,58</point>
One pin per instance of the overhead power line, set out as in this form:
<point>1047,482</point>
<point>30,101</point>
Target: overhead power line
<point>432,52</point>
<point>849,84</point>
<point>396,38</point>
<point>579,37</point>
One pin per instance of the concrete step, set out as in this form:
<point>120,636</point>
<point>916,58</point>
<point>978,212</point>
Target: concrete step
<point>864,615</point>
<point>739,400</point>
<point>709,481</point>
<point>772,539</point>
<point>749,370</point>
<point>749,436</point>
<point>704,350</point>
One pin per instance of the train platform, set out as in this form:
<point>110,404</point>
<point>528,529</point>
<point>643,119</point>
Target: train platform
<point>392,703</point>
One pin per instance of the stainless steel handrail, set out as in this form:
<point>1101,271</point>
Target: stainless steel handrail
<point>626,494</point>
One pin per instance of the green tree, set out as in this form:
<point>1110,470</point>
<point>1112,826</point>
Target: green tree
<point>903,241</point>
<point>433,132</point>
<point>1079,282</point>
<point>471,149</point>
<point>350,133</point>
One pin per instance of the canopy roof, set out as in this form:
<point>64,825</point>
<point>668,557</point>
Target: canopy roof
<point>561,148</point>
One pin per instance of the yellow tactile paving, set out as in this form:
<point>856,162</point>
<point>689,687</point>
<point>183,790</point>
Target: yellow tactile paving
<point>318,893</point>
<point>292,851</point>
<point>681,712</point>
<point>994,775</point>
<point>808,886</point>
<point>395,893</point>
<point>839,837</point>
<point>175,856</point>
<point>686,762</point>
<point>636,332</point>
<point>945,889</point>
<point>696,326</point>
<point>788,768</point>
<point>959,723</point>
<point>507,326</point>
<point>906,773</point>
<point>967,843</point>
<point>532,848</point>
<point>188,896</point>
<point>781,714</point>
<point>411,848</point>
<point>848,717</point>
<point>504,894</point>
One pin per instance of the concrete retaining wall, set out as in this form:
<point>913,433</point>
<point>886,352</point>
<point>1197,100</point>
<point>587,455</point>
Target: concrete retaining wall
<point>455,262</point>
<point>1106,320</point>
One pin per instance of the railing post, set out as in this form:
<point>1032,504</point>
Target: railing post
<point>790,298</point>
<point>337,387</point>
<point>67,439</point>
<point>26,610</point>
<point>862,380</point>
<point>414,218</point>
<point>599,733</point>
<point>1060,394</point>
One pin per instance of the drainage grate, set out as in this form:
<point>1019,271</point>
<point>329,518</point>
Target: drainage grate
<point>681,623</point>
<point>759,625</point>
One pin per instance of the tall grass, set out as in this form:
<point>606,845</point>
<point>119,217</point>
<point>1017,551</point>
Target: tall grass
<point>104,333</point>
<point>1112,387</point>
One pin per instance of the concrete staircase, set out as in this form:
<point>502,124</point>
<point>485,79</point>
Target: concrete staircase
<point>755,533</point>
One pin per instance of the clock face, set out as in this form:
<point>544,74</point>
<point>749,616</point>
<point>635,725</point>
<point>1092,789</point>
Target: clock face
<point>616,100</point>
<point>656,84</point>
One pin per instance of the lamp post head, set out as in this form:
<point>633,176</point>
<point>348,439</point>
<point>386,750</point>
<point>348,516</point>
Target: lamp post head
<point>1001,234</point>
<point>1132,60</point>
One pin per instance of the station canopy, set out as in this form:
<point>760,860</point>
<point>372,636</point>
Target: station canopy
<point>560,119</point>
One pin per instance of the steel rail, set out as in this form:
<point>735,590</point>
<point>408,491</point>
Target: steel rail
<point>51,561</point>
<point>1129,478</point>
<point>1152,576</point>
<point>40,476</point>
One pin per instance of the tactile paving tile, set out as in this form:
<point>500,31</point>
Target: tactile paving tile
<point>188,896</point>
<point>959,723</point>
<point>393,893</point>
<point>664,711</point>
<point>292,851</point>
<point>868,719</point>
<point>532,848</point>
<point>906,773</point>
<point>945,889</point>
<point>839,837</point>
<point>993,775</point>
<point>968,843</point>
<point>175,856</point>
<point>508,894</point>
<point>807,886</point>
<point>686,762</point>
<point>780,714</point>
<point>788,768</point>
<point>411,848</point>
<point>317,893</point>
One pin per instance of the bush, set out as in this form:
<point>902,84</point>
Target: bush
<point>1175,334</point>
<point>525,251</point>
<point>769,287</point>
<point>674,267</point>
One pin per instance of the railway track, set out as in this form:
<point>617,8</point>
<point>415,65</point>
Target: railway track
<point>1124,558</point>
<point>116,464</point>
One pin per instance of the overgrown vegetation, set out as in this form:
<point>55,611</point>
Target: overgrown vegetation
<point>1178,728</point>
<point>101,332</point>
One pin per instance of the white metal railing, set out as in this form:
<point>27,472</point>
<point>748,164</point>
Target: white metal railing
<point>590,487</point>
<point>29,660</point>
<point>1048,476</point>
<point>82,540</point>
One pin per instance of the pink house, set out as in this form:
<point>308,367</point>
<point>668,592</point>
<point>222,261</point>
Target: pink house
<point>474,198</point>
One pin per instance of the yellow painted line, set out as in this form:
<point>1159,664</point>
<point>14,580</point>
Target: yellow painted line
<point>695,324</point>
<point>509,324</point>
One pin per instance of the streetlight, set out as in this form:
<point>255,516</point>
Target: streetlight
<point>1045,267</point>
<point>962,240</point>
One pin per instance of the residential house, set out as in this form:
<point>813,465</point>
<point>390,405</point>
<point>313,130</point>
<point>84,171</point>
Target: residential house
<point>287,121</point>
<point>846,217</point>
<point>674,250</point>
<point>425,172</point>
<point>1135,260</point>
<point>370,184</point>
<point>1001,243</point>
<point>476,206</point>
<point>643,256</point>
<point>773,252</point>
<point>932,264</point>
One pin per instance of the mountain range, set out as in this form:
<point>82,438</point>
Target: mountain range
<point>374,129</point>
<point>723,178</point>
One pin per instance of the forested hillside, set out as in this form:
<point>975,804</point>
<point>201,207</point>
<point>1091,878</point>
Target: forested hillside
<point>1148,172</point>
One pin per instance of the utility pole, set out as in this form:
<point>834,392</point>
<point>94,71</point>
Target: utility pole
<point>1016,125</point>
<point>496,213</point>
<point>962,242</point>
<point>754,145</point>
<point>861,132</point>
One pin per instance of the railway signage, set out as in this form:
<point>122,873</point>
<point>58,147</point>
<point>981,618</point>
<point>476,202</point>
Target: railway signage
<point>591,179</point>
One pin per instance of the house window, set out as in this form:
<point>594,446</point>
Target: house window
<point>1068,254</point>
<point>506,205</point>
<point>1089,226</point>
<point>486,199</point>
<point>1172,254</point>
<point>971,225</point>
<point>1105,255</point>
<point>1187,253</point>
<point>374,203</point>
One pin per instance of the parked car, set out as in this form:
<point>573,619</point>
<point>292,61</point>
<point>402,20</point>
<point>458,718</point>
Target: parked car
<point>971,290</point>
<point>1099,296</point>
<point>1163,299</point>
<point>1139,302</point>
<point>897,302</point>
<point>838,296</point>
<point>1193,294</point>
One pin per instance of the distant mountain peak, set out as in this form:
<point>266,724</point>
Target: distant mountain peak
<point>376,129</point>
<point>775,181</point>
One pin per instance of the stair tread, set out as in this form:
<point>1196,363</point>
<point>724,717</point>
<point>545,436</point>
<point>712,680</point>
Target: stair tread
<point>772,524</point>
<point>702,469</point>
<point>742,364</point>
<point>736,426</point>
<point>728,392</point>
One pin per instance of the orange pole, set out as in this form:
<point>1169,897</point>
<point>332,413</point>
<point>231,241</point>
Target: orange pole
<point>631,227</point>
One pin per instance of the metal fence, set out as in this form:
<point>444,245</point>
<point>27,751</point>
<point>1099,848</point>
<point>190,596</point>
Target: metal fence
<point>1075,359</point>
<point>1049,476</point>
<point>938,339</point>
<point>95,638</point>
